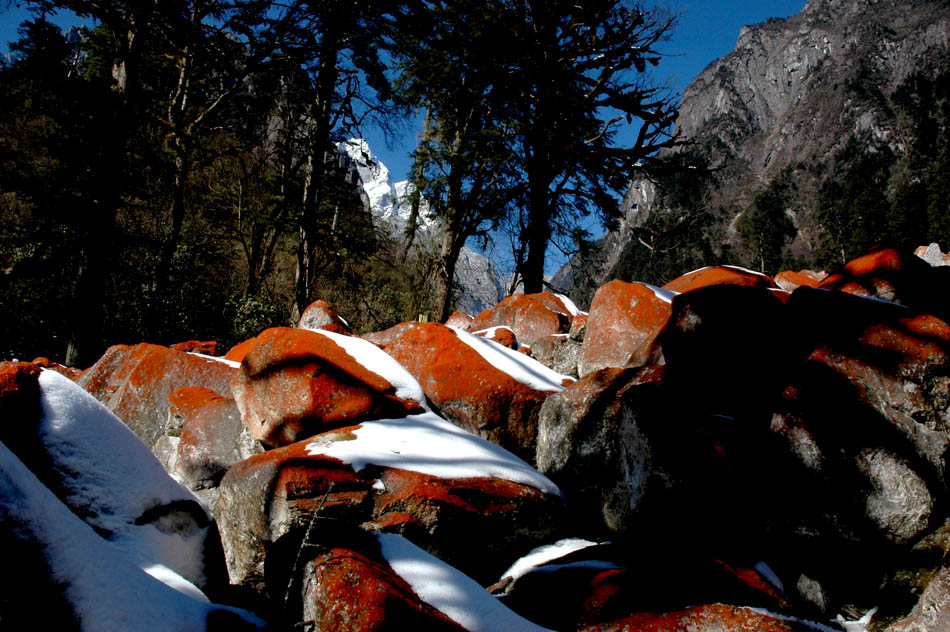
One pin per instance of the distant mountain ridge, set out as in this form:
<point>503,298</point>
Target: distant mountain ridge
<point>775,114</point>
<point>478,284</point>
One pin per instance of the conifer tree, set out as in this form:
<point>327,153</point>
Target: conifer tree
<point>56,182</point>
<point>342,48</point>
<point>579,77</point>
<point>463,164</point>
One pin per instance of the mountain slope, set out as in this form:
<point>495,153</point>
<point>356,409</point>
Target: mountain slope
<point>847,90</point>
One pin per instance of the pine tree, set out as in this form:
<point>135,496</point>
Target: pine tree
<point>463,164</point>
<point>58,214</point>
<point>341,47</point>
<point>579,78</point>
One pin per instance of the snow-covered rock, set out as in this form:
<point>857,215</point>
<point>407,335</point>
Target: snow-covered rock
<point>93,584</point>
<point>478,384</point>
<point>461,497</point>
<point>530,316</point>
<point>346,585</point>
<point>105,474</point>
<point>449,591</point>
<point>108,540</point>
<point>294,383</point>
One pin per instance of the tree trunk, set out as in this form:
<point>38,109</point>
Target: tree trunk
<point>177,212</point>
<point>86,312</point>
<point>88,302</point>
<point>532,272</point>
<point>319,144</point>
<point>306,232</point>
<point>538,232</point>
<point>449,249</point>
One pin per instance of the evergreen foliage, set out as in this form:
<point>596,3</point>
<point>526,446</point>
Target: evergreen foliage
<point>155,174</point>
<point>581,77</point>
<point>877,197</point>
<point>766,228</point>
<point>463,165</point>
<point>685,232</point>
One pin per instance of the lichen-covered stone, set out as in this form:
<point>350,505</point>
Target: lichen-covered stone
<point>294,383</point>
<point>622,326</point>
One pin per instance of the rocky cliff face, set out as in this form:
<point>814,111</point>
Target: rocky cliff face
<point>782,104</point>
<point>787,90</point>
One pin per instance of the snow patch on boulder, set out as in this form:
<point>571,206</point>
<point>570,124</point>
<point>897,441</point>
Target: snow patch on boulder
<point>428,444</point>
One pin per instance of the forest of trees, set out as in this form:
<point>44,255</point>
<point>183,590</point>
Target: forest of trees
<point>173,172</point>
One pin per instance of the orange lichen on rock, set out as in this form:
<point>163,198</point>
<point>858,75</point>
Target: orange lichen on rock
<point>789,280</point>
<point>347,590</point>
<point>624,321</point>
<point>205,347</point>
<point>529,316</point>
<point>469,391</point>
<point>719,617</point>
<point>294,383</point>
<point>718,275</point>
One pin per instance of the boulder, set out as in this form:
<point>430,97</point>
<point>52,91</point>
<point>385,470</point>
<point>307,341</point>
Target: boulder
<point>84,581</point>
<point>579,327</point>
<point>238,351</point>
<point>719,275</point>
<point>459,320</point>
<point>502,335</point>
<point>865,440</point>
<point>933,255</point>
<point>637,459</point>
<point>319,315</point>
<point>183,403</point>
<point>932,611</point>
<point>46,363</point>
<point>459,497</point>
<point>886,360</point>
<point>728,349</point>
<point>603,582</point>
<point>558,352</point>
<point>708,618</point>
<point>622,326</point>
<point>472,392</point>
<point>557,303</point>
<point>890,275</point>
<point>103,473</point>
<point>204,347</point>
<point>530,316</point>
<point>343,582</point>
<point>135,383</point>
<point>791,281</point>
<point>391,335</point>
<point>19,405</point>
<point>294,383</point>
<point>345,590</point>
<point>590,443</point>
<point>212,440</point>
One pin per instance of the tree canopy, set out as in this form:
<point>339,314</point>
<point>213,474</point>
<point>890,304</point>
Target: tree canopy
<point>174,172</point>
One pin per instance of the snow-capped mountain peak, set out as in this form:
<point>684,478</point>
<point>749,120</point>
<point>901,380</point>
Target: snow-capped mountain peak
<point>478,285</point>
